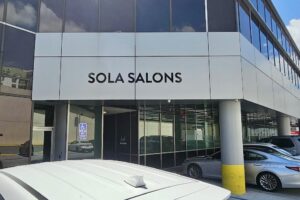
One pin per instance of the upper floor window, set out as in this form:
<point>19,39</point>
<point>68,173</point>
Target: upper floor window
<point>81,16</point>
<point>188,15</point>
<point>51,16</point>
<point>254,3</point>
<point>1,9</point>
<point>255,33</point>
<point>22,13</point>
<point>153,15</point>
<point>244,22</point>
<point>264,44</point>
<point>261,8</point>
<point>117,15</point>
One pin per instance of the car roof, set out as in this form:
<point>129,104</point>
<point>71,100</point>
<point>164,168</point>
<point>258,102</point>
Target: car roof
<point>95,179</point>
<point>260,144</point>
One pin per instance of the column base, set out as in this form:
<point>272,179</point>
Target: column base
<point>233,178</point>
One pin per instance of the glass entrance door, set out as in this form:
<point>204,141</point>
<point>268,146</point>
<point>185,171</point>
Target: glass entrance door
<point>42,144</point>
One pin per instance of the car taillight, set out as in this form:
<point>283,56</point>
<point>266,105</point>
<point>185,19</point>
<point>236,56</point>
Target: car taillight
<point>294,168</point>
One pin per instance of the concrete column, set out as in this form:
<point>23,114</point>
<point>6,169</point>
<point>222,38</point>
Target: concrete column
<point>233,171</point>
<point>61,122</point>
<point>284,125</point>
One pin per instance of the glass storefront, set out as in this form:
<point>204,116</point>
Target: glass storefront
<point>257,126</point>
<point>169,133</point>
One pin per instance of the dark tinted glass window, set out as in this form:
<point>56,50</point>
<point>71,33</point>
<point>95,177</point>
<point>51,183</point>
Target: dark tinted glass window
<point>1,9</point>
<point>261,8</point>
<point>51,16</point>
<point>153,161</point>
<point>244,23</point>
<point>216,11</point>
<point>180,157</point>
<point>153,16</point>
<point>283,142</point>
<point>263,44</point>
<point>22,13</point>
<point>217,156</point>
<point>18,58</point>
<point>18,48</point>
<point>168,160</point>
<point>81,16</point>
<point>255,34</point>
<point>117,15</point>
<point>188,15</point>
<point>251,156</point>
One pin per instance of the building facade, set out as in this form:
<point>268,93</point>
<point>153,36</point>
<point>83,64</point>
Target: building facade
<point>145,81</point>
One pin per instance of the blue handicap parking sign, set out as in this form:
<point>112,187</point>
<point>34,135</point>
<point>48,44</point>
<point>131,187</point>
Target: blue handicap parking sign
<point>83,131</point>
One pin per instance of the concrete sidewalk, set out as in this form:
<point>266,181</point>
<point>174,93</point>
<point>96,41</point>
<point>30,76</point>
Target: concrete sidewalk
<point>253,192</point>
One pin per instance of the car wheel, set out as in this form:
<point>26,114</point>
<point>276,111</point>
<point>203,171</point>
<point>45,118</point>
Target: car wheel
<point>268,182</point>
<point>194,171</point>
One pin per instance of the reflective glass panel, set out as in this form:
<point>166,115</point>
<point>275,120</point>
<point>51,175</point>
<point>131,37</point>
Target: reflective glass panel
<point>152,16</point>
<point>82,130</point>
<point>152,129</point>
<point>167,128</point>
<point>180,128</point>
<point>271,51</point>
<point>1,9</point>
<point>261,8</point>
<point>22,13</point>
<point>244,23</point>
<point>200,126</point>
<point>117,15</point>
<point>216,10</point>
<point>18,61</point>
<point>255,34</point>
<point>268,19</point>
<point>264,44</point>
<point>15,121</point>
<point>81,16</point>
<point>254,3</point>
<point>191,132</point>
<point>188,15</point>
<point>274,27</point>
<point>51,16</point>
<point>276,56</point>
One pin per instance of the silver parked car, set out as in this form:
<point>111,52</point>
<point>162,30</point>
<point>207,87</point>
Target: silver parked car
<point>81,146</point>
<point>268,171</point>
<point>290,143</point>
<point>269,148</point>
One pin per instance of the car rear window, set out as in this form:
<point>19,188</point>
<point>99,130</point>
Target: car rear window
<point>283,142</point>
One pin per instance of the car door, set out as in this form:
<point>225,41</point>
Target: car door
<point>254,163</point>
<point>213,166</point>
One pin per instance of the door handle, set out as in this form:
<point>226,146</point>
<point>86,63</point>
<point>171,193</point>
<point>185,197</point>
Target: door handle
<point>257,164</point>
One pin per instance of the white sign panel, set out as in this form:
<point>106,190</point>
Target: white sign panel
<point>89,78</point>
<point>83,132</point>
